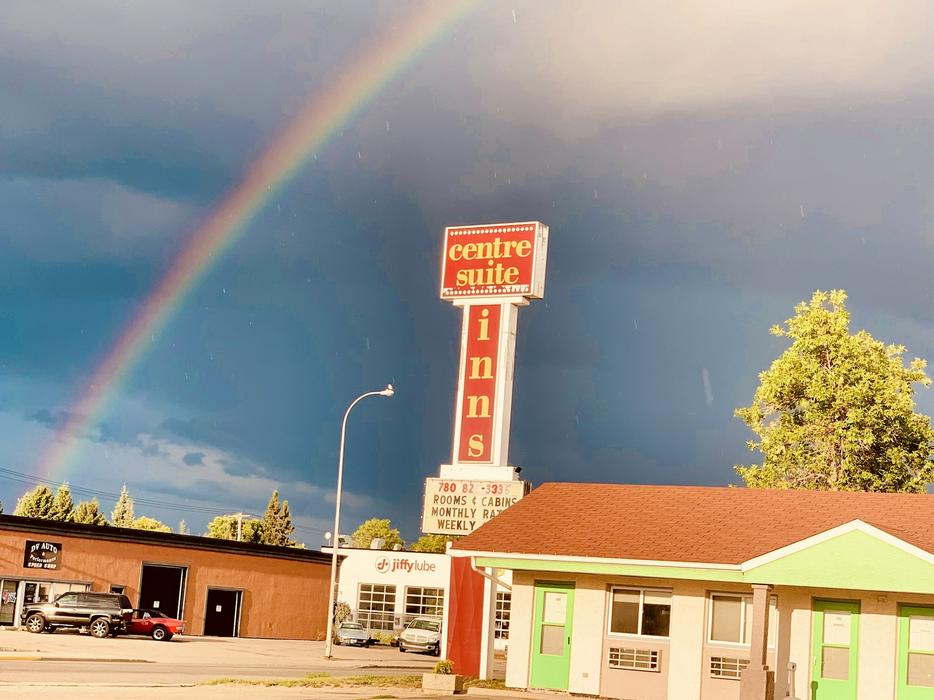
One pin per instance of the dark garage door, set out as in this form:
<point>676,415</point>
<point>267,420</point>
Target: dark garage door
<point>222,613</point>
<point>163,587</point>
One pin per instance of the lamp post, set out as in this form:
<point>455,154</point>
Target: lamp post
<point>335,541</point>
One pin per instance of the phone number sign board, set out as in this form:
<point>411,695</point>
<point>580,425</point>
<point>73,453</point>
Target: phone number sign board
<point>460,506</point>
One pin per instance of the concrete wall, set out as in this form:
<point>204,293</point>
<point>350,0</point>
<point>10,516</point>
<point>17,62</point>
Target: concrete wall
<point>282,598</point>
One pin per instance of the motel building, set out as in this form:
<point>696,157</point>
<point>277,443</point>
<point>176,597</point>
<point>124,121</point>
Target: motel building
<point>388,589</point>
<point>218,587</point>
<point>655,592</point>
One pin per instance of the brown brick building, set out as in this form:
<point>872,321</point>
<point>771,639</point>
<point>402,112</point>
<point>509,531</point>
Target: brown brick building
<point>218,587</point>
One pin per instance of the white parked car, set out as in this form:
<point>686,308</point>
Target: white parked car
<point>422,634</point>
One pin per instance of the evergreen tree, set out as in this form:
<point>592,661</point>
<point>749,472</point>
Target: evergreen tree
<point>146,523</point>
<point>183,527</point>
<point>122,515</point>
<point>277,523</point>
<point>89,513</point>
<point>836,410</point>
<point>374,528</point>
<point>63,508</point>
<point>37,503</point>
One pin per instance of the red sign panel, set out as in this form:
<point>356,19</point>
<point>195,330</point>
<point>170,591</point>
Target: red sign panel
<point>481,362</point>
<point>493,260</point>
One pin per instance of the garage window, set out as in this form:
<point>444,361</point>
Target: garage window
<point>639,611</point>
<point>376,606</point>
<point>423,601</point>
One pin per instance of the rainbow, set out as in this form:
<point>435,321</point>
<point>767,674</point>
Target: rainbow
<point>321,116</point>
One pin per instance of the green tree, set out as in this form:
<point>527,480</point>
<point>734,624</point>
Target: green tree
<point>146,523</point>
<point>370,529</point>
<point>224,527</point>
<point>277,527</point>
<point>89,513</point>
<point>37,503</point>
<point>836,410</point>
<point>433,543</point>
<point>63,507</point>
<point>122,515</point>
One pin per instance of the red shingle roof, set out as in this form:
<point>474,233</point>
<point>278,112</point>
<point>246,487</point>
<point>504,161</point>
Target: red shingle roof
<point>689,523</point>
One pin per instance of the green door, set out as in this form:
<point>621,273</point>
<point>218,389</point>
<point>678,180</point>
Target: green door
<point>551,635</point>
<point>915,653</point>
<point>835,650</point>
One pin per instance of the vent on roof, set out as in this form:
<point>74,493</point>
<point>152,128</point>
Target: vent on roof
<point>727,667</point>
<point>633,659</point>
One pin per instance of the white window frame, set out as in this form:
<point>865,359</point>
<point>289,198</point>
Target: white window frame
<point>744,597</point>
<point>641,590</point>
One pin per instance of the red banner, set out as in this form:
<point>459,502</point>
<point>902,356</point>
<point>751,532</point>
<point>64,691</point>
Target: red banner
<point>475,443</point>
<point>492,260</point>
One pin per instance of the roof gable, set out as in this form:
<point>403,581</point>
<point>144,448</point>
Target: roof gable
<point>855,556</point>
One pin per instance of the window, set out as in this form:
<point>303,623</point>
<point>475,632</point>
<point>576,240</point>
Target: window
<point>376,605</point>
<point>634,659</point>
<point>423,601</point>
<point>501,620</point>
<point>731,619</point>
<point>639,611</point>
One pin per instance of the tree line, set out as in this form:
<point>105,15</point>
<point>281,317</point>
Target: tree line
<point>274,527</point>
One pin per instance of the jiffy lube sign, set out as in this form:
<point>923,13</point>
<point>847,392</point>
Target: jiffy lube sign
<point>389,565</point>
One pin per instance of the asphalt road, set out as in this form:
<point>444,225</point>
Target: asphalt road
<point>174,673</point>
<point>74,658</point>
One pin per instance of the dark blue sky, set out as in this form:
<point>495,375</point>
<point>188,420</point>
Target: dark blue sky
<point>701,173</point>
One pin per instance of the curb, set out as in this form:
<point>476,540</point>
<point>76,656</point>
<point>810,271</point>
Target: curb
<point>65,684</point>
<point>33,657</point>
<point>498,693</point>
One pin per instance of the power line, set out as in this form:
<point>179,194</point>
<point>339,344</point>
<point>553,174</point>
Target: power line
<point>29,480</point>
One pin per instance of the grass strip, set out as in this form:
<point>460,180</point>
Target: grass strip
<point>325,680</point>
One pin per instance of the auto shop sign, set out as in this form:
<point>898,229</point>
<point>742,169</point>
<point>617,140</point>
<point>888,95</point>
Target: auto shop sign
<point>386,565</point>
<point>42,555</point>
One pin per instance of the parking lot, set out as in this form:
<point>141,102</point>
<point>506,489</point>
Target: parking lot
<point>75,657</point>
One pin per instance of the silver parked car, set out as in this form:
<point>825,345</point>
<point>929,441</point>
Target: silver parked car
<point>351,633</point>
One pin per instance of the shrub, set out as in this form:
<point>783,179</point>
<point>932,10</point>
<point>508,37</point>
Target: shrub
<point>445,667</point>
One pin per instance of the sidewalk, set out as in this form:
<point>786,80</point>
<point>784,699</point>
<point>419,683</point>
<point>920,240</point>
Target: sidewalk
<point>228,692</point>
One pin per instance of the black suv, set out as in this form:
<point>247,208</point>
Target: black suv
<point>100,613</point>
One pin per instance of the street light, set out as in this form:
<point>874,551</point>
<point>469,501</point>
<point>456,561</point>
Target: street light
<point>335,540</point>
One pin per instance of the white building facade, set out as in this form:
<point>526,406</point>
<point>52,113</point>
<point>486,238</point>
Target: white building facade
<point>386,590</point>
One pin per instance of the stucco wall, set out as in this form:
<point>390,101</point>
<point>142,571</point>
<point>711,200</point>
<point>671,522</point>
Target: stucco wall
<point>520,630</point>
<point>688,655</point>
<point>282,598</point>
